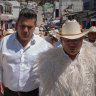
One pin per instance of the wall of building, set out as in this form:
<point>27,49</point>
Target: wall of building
<point>94,4</point>
<point>89,4</point>
<point>5,7</point>
<point>15,8</point>
<point>77,5</point>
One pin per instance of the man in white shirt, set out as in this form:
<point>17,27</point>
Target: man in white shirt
<point>18,57</point>
<point>68,70</point>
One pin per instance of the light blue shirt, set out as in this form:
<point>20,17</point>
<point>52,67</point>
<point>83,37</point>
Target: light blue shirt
<point>56,44</point>
<point>18,65</point>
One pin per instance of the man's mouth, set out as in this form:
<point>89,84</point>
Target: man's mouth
<point>72,50</point>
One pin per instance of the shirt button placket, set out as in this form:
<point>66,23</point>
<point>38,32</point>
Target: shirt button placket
<point>21,71</point>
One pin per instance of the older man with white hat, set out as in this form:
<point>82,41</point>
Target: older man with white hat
<point>68,70</point>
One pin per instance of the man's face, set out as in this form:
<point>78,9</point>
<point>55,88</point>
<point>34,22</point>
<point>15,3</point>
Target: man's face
<point>71,47</point>
<point>25,28</point>
<point>92,36</point>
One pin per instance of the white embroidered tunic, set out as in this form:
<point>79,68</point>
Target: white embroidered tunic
<point>58,78</point>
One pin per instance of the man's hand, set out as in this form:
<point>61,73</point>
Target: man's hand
<point>2,88</point>
<point>1,94</point>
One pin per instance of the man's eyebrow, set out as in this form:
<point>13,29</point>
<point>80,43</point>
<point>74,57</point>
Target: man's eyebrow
<point>27,25</point>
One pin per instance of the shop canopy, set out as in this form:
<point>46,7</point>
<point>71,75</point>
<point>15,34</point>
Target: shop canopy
<point>48,6</point>
<point>6,17</point>
<point>12,22</point>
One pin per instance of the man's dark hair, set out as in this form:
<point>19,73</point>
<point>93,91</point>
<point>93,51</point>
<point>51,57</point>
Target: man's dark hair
<point>27,13</point>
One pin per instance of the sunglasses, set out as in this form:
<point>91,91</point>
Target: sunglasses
<point>72,40</point>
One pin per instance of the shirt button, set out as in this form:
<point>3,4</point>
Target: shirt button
<point>21,52</point>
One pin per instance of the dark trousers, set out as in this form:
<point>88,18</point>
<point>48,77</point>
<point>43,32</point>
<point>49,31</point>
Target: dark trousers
<point>9,92</point>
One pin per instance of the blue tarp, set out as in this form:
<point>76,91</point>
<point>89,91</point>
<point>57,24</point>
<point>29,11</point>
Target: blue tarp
<point>13,22</point>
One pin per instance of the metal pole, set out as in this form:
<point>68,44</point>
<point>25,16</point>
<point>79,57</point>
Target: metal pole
<point>43,2</point>
<point>26,1</point>
<point>60,5</point>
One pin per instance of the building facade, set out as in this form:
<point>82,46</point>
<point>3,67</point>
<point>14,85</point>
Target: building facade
<point>70,6</point>
<point>15,8</point>
<point>89,4</point>
<point>5,7</point>
<point>86,4</point>
<point>94,4</point>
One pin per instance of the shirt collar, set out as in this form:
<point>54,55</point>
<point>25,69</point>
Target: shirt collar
<point>76,55</point>
<point>32,42</point>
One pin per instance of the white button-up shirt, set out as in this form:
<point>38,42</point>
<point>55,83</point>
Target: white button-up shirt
<point>18,65</point>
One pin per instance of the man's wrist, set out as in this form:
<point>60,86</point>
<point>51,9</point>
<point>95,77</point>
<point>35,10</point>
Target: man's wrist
<point>2,88</point>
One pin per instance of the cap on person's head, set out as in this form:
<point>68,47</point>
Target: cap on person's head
<point>92,29</point>
<point>71,30</point>
<point>9,31</point>
<point>42,25</point>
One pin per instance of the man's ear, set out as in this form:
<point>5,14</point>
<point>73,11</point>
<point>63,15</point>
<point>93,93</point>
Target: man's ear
<point>35,24</point>
<point>16,24</point>
<point>83,37</point>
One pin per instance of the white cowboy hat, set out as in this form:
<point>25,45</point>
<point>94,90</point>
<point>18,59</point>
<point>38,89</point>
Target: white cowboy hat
<point>10,31</point>
<point>71,30</point>
<point>92,29</point>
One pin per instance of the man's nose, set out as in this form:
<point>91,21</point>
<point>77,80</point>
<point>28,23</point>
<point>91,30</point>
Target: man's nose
<point>26,29</point>
<point>72,43</point>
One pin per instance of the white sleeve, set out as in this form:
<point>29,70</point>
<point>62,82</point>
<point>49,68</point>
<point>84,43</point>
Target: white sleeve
<point>1,69</point>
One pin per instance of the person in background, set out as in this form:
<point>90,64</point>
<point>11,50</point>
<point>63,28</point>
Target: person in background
<point>69,70</point>
<point>81,26</point>
<point>8,32</point>
<point>91,38</point>
<point>1,34</point>
<point>57,44</point>
<point>92,34</point>
<point>36,31</point>
<point>14,29</point>
<point>18,57</point>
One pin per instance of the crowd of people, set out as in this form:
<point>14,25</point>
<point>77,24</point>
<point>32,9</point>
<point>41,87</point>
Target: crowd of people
<point>3,33</point>
<point>30,67</point>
